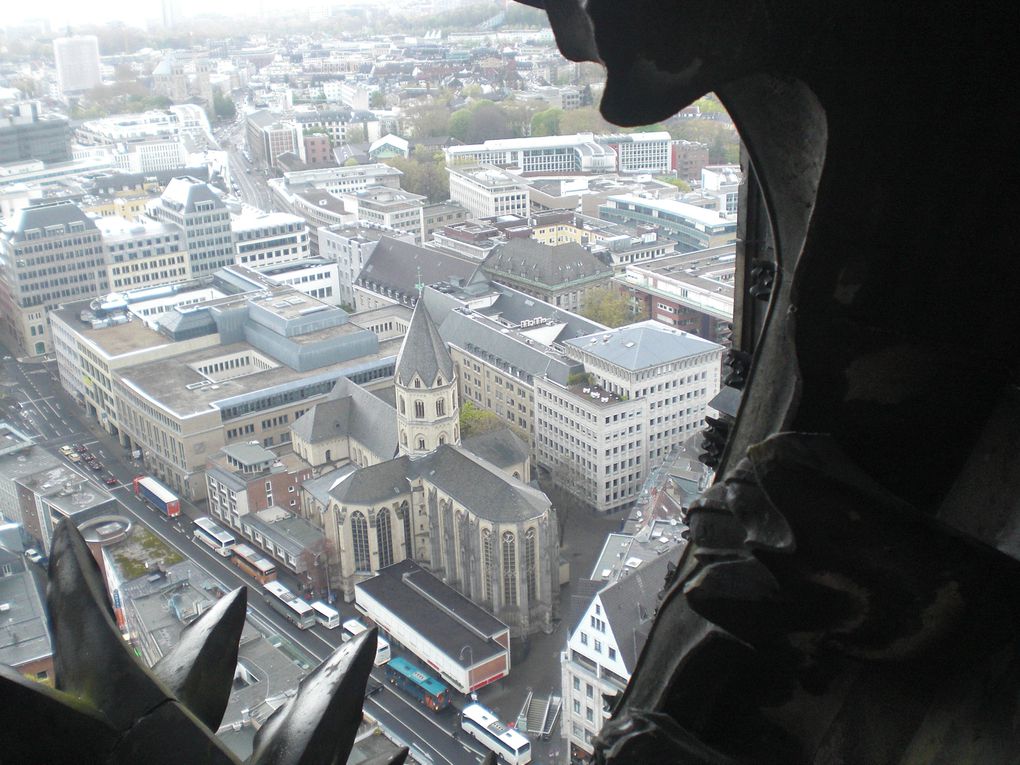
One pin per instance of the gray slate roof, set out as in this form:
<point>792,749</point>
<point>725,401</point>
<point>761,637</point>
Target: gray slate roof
<point>479,486</point>
<point>542,264</point>
<point>376,483</point>
<point>319,488</point>
<point>485,337</point>
<point>643,345</point>
<point>187,192</point>
<point>353,412</point>
<point>500,447</point>
<point>43,215</point>
<point>395,264</point>
<point>423,351</point>
<point>630,604</point>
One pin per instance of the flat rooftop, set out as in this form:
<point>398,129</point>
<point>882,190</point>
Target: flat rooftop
<point>165,381</point>
<point>113,341</point>
<point>436,611</point>
<point>642,345</point>
<point>697,215</point>
<point>24,634</point>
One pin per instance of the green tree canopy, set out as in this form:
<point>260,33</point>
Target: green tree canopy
<point>475,420</point>
<point>428,118</point>
<point>459,125</point>
<point>426,176</point>
<point>546,122</point>
<point>607,306</point>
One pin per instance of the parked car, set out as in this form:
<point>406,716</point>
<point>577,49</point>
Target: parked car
<point>34,555</point>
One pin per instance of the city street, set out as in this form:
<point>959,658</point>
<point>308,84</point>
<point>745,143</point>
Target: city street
<point>250,181</point>
<point>53,420</point>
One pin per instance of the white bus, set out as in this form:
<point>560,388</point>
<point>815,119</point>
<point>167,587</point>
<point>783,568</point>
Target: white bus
<point>210,533</point>
<point>291,606</point>
<point>326,616</point>
<point>353,628</point>
<point>507,743</point>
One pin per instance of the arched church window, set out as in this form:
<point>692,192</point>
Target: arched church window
<point>509,569</point>
<point>402,408</point>
<point>441,408</point>
<point>419,409</point>
<point>405,513</point>
<point>384,537</point>
<point>442,439</point>
<point>421,442</point>
<point>488,555</point>
<point>359,536</point>
<point>530,572</point>
<point>403,437</point>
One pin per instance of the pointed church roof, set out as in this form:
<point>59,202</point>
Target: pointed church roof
<point>423,351</point>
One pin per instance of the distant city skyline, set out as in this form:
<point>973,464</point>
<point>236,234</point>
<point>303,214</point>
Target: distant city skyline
<point>61,13</point>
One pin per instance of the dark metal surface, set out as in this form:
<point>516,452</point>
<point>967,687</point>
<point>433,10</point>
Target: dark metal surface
<point>109,708</point>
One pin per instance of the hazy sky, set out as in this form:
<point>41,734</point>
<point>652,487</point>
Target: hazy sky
<point>135,12</point>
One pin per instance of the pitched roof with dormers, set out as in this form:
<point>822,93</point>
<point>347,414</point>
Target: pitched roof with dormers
<point>423,352</point>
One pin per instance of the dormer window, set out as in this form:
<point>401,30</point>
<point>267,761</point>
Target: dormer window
<point>439,380</point>
<point>417,383</point>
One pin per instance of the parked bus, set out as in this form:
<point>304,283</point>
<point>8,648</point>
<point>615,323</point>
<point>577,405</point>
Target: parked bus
<point>421,685</point>
<point>210,533</point>
<point>507,743</point>
<point>157,496</point>
<point>325,615</point>
<point>254,564</point>
<point>290,605</point>
<point>353,628</point>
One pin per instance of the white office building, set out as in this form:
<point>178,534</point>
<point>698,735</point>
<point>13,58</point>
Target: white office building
<point>578,153</point>
<point>317,277</point>
<point>389,207</point>
<point>646,390</point>
<point>267,239</point>
<point>486,191</point>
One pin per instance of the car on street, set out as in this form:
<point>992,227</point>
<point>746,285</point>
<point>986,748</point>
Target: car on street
<point>96,465</point>
<point>111,480</point>
<point>34,555</point>
<point>74,457</point>
<point>80,448</point>
<point>66,450</point>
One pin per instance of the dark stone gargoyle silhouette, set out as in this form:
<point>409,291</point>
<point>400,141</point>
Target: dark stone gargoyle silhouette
<point>850,592</point>
<point>109,708</point>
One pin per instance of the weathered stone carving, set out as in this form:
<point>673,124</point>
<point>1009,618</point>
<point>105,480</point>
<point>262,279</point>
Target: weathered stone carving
<point>850,591</point>
<point>109,708</point>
